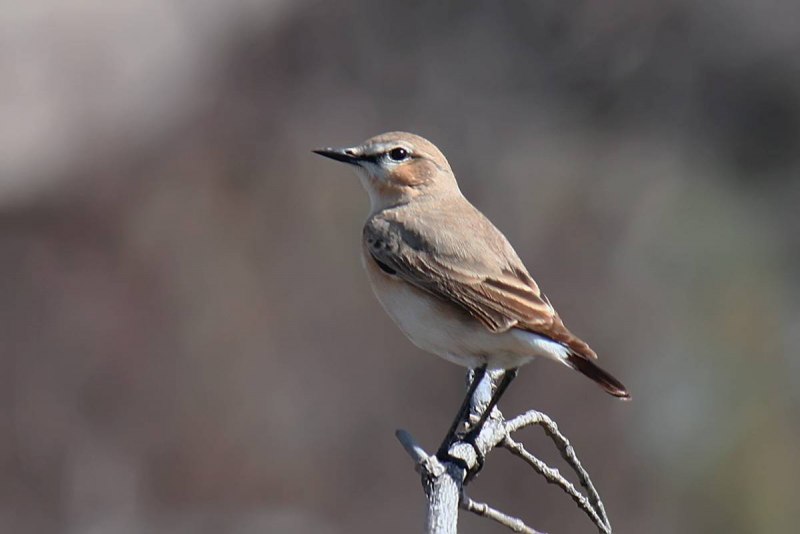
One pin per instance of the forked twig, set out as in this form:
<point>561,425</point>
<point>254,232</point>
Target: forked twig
<point>444,479</point>
<point>484,510</point>
<point>567,452</point>
<point>553,476</point>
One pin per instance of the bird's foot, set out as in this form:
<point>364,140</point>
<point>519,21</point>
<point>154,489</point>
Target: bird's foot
<point>443,455</point>
<point>480,458</point>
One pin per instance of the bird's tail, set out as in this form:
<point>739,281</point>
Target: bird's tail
<point>603,379</point>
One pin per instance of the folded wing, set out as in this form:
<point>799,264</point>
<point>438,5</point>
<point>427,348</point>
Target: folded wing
<point>495,288</point>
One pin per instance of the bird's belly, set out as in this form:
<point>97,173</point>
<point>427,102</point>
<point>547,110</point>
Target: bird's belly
<point>445,329</point>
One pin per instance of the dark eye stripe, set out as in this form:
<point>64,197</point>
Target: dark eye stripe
<point>371,157</point>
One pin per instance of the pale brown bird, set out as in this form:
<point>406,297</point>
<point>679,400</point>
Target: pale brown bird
<point>447,276</point>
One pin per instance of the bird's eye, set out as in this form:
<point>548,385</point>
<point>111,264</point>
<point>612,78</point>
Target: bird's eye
<point>398,154</point>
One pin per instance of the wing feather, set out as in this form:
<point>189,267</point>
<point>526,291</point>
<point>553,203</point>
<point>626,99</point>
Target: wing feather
<point>495,289</point>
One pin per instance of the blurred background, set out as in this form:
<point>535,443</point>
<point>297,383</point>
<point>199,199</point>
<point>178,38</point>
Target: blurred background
<point>189,344</point>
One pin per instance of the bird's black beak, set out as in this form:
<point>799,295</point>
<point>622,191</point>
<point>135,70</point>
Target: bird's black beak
<point>347,155</point>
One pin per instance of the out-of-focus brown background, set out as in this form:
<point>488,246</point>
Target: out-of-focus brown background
<point>189,344</point>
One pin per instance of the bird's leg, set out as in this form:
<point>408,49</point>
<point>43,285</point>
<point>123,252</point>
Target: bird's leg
<point>463,412</point>
<point>475,431</point>
<point>508,377</point>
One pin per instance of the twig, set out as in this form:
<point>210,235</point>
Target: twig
<point>484,510</point>
<point>444,483</point>
<point>444,480</point>
<point>553,476</point>
<point>567,452</point>
<point>425,462</point>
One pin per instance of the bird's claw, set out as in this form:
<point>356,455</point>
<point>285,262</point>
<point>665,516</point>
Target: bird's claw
<point>480,458</point>
<point>443,455</point>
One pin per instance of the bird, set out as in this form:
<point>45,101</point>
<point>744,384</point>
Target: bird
<point>448,278</point>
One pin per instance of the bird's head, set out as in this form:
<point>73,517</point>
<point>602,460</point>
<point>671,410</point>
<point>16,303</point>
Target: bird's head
<point>397,166</point>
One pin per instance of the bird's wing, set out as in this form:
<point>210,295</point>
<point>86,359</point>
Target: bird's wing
<point>473,267</point>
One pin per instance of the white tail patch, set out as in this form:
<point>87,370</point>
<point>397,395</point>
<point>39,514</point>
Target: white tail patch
<point>543,346</point>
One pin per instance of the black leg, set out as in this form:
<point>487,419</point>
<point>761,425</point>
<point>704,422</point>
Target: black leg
<point>477,377</point>
<point>508,377</point>
<point>475,431</point>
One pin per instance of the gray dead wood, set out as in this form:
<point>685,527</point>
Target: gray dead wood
<point>444,481</point>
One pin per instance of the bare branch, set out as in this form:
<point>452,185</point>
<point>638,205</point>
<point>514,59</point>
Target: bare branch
<point>441,479</point>
<point>553,476</point>
<point>567,452</point>
<point>484,510</point>
<point>525,420</point>
<point>425,462</point>
<point>442,482</point>
<point>444,479</point>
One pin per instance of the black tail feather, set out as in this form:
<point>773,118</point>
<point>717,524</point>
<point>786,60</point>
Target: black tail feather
<point>603,379</point>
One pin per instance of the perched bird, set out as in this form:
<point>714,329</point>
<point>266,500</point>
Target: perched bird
<point>447,276</point>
